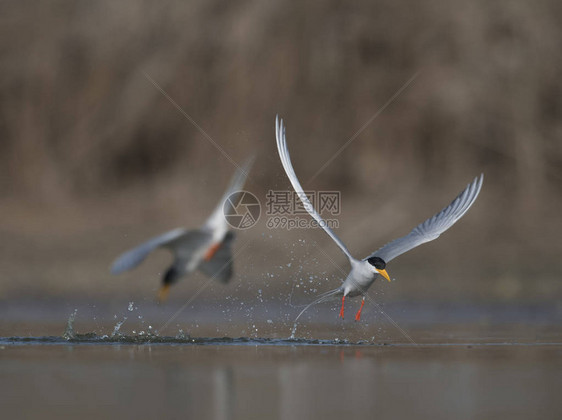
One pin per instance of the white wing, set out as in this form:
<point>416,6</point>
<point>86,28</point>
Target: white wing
<point>181,242</point>
<point>286,161</point>
<point>236,184</point>
<point>135,256</point>
<point>434,226</point>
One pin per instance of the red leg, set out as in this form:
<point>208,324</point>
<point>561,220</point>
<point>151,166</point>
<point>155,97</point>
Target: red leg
<point>358,316</point>
<point>341,310</point>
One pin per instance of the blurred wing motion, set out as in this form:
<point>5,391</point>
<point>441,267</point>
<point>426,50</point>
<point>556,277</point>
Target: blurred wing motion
<point>180,241</point>
<point>237,182</point>
<point>434,226</point>
<point>286,161</point>
<point>188,246</point>
<point>219,266</point>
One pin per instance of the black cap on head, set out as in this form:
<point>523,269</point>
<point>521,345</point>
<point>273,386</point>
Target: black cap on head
<point>377,262</point>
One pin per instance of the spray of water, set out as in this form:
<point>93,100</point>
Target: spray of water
<point>117,327</point>
<point>69,333</point>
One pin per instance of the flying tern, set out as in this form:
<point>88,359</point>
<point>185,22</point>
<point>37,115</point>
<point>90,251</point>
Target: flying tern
<point>208,248</point>
<point>364,272</point>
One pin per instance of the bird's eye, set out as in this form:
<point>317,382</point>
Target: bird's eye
<point>377,262</point>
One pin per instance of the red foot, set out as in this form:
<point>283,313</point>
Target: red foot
<point>341,310</point>
<point>358,315</point>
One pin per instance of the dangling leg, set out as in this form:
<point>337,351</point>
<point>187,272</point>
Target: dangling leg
<point>358,315</point>
<point>341,310</point>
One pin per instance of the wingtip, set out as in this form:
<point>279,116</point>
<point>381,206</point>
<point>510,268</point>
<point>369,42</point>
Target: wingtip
<point>114,270</point>
<point>278,121</point>
<point>118,266</point>
<point>279,130</point>
<point>249,162</point>
<point>479,181</point>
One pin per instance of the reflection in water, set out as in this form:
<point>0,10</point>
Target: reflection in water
<point>307,391</point>
<point>224,396</point>
<point>279,382</point>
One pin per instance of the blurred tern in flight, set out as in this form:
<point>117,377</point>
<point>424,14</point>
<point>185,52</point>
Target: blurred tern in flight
<point>364,272</point>
<point>208,248</point>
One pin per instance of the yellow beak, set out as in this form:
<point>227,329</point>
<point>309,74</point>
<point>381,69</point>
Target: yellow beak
<point>163,293</point>
<point>384,274</point>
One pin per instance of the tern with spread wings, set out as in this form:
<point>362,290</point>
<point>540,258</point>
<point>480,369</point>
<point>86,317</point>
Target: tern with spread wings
<point>208,248</point>
<point>364,272</point>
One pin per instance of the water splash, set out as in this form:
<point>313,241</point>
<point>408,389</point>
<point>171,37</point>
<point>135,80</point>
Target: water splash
<point>118,327</point>
<point>181,335</point>
<point>69,333</point>
<point>294,330</point>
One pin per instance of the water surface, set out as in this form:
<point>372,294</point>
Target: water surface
<point>257,380</point>
<point>465,363</point>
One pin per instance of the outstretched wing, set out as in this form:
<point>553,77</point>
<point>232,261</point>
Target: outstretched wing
<point>236,184</point>
<point>287,165</point>
<point>179,241</point>
<point>434,226</point>
<point>219,266</point>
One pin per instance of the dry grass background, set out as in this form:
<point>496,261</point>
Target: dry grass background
<point>93,157</point>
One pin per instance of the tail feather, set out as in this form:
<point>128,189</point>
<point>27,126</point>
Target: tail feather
<point>324,297</point>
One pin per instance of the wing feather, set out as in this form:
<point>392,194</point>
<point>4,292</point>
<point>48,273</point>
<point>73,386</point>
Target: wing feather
<point>236,184</point>
<point>135,256</point>
<point>434,226</point>
<point>287,165</point>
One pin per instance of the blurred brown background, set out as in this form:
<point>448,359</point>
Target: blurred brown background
<point>94,158</point>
